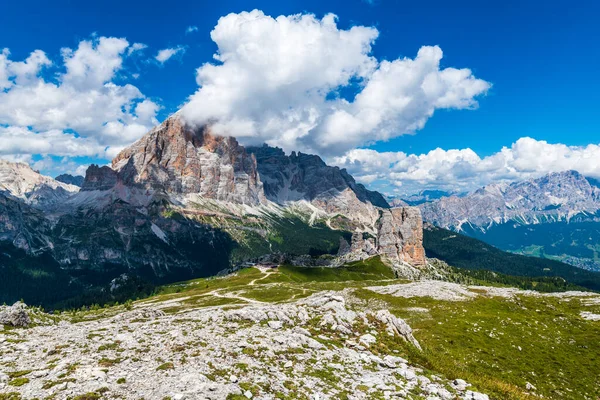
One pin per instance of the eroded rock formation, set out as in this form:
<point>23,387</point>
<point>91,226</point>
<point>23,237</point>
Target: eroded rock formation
<point>182,159</point>
<point>400,235</point>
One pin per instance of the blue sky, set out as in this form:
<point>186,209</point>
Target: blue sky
<point>540,58</point>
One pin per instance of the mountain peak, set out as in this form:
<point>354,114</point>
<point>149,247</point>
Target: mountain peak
<point>182,159</point>
<point>19,180</point>
<point>556,196</point>
<point>70,179</point>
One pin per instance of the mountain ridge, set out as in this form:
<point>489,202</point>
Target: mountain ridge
<point>182,203</point>
<point>556,216</point>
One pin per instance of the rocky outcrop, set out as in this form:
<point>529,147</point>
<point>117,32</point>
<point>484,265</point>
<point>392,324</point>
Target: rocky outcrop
<point>254,350</point>
<point>99,178</point>
<point>181,159</point>
<point>15,315</point>
<point>400,235</point>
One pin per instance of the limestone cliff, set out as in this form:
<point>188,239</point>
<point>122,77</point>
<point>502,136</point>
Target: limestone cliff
<point>400,235</point>
<point>180,159</point>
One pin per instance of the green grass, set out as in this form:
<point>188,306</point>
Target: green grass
<point>165,366</point>
<point>476,340</point>
<point>10,396</point>
<point>369,269</point>
<point>18,382</point>
<point>479,340</point>
<point>88,396</point>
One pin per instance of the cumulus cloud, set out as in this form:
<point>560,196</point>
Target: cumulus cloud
<point>463,170</point>
<point>277,80</point>
<point>82,111</point>
<point>191,29</point>
<point>165,55</point>
<point>21,141</point>
<point>57,166</point>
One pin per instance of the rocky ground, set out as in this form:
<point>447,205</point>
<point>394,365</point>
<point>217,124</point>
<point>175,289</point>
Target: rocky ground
<point>313,348</point>
<point>225,344</point>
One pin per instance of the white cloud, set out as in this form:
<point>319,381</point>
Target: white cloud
<point>165,55</point>
<point>464,169</point>
<point>136,47</point>
<point>191,29</point>
<point>55,167</point>
<point>21,72</point>
<point>20,141</point>
<point>40,115</point>
<point>277,78</point>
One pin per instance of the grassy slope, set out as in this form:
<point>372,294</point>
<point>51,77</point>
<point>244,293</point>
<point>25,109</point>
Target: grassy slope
<point>465,252</point>
<point>476,340</point>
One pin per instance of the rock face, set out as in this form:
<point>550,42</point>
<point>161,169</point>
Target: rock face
<point>180,159</point>
<point>302,176</point>
<point>561,196</point>
<point>400,235</point>
<point>22,225</point>
<point>99,178</point>
<point>182,203</point>
<point>556,216</point>
<point>20,181</point>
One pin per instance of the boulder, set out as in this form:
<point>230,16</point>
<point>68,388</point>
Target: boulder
<point>397,326</point>
<point>15,315</point>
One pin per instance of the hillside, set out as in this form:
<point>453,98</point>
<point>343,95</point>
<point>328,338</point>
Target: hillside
<point>469,253</point>
<point>294,332</point>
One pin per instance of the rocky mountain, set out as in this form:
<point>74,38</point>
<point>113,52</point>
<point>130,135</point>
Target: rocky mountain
<point>20,181</point>
<point>543,216</point>
<point>179,159</point>
<point>426,196</point>
<point>182,202</point>
<point>302,176</point>
<point>70,179</point>
<point>562,196</point>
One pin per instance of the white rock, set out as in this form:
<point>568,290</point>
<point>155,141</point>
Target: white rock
<point>275,324</point>
<point>367,339</point>
<point>460,384</point>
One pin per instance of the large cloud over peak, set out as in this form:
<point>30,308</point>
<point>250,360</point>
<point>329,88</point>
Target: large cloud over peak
<point>277,80</point>
<point>464,170</point>
<point>80,110</point>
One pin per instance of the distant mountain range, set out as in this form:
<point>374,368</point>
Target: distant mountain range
<point>555,216</point>
<point>423,196</point>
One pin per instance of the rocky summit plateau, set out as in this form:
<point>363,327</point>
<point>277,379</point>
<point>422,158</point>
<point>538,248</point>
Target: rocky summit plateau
<point>194,267</point>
